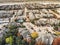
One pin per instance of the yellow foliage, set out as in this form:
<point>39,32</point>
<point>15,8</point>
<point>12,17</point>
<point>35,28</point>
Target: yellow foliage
<point>7,40</point>
<point>57,33</point>
<point>34,35</point>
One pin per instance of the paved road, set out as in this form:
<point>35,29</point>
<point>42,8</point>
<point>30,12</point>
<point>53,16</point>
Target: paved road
<point>24,0</point>
<point>33,1</point>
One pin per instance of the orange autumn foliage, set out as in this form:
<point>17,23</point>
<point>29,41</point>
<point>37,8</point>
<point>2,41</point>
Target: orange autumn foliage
<point>56,41</point>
